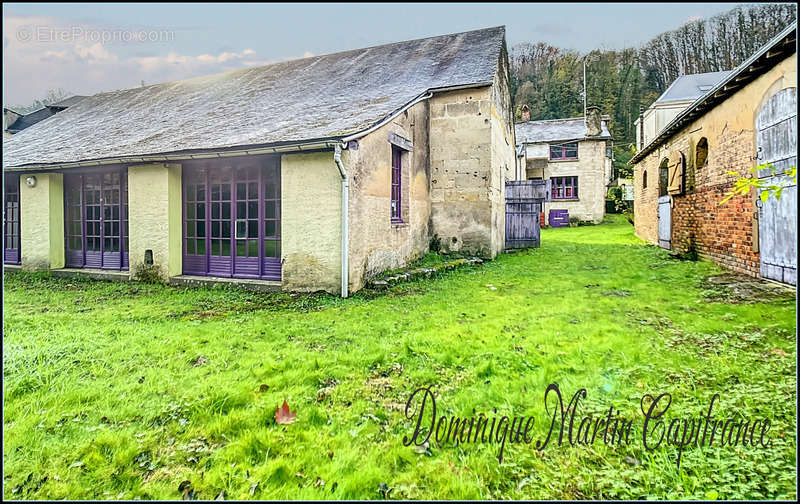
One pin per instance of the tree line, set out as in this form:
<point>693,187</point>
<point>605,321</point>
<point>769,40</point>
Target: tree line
<point>550,79</point>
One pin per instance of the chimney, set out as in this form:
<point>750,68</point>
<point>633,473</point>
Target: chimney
<point>526,113</point>
<point>593,121</point>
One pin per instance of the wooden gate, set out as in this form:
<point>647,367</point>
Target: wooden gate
<point>524,200</point>
<point>776,140</point>
<point>665,222</point>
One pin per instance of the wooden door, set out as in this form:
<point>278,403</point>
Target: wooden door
<point>776,141</point>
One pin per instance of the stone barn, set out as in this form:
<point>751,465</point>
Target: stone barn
<point>748,119</point>
<point>313,174</point>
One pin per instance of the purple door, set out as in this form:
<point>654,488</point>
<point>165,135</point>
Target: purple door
<point>231,211</point>
<point>11,235</point>
<point>96,219</point>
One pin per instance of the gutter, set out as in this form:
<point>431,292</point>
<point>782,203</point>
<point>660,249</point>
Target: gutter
<point>147,158</point>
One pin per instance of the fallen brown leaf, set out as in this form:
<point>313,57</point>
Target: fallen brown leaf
<point>283,416</point>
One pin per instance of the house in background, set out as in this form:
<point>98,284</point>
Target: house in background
<point>312,174</point>
<point>679,95</point>
<point>15,122</point>
<point>746,120</point>
<point>575,156</point>
<point>9,117</point>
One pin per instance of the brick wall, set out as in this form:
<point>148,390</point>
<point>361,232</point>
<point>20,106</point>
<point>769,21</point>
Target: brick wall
<point>726,234</point>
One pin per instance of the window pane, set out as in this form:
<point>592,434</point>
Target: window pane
<point>226,210</point>
<point>226,229</point>
<point>240,248</point>
<point>270,248</point>
<point>571,151</point>
<point>252,209</point>
<point>226,248</point>
<point>252,229</point>
<point>215,247</point>
<point>252,246</point>
<point>201,246</point>
<point>269,209</point>
<point>252,190</point>
<point>269,229</point>
<point>241,189</point>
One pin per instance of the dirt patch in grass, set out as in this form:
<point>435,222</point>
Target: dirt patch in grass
<point>735,288</point>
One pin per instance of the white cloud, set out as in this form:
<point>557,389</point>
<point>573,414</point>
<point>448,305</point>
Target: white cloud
<point>42,53</point>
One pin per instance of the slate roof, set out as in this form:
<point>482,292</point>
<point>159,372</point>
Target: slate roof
<point>553,130</point>
<point>67,102</point>
<point>320,97</point>
<point>691,87</point>
<point>27,120</point>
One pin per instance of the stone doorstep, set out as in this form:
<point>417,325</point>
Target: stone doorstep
<point>94,274</point>
<point>423,272</point>
<point>244,283</point>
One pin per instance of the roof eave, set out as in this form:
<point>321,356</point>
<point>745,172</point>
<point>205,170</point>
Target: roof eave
<point>251,150</point>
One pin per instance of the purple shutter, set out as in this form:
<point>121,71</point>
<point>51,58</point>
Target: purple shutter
<point>397,215</point>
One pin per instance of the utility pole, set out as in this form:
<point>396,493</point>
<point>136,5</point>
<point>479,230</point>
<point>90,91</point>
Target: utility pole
<point>584,87</point>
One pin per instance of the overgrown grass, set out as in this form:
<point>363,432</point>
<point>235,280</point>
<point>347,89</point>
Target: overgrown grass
<point>134,390</point>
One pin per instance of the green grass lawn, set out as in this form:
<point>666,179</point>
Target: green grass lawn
<point>130,390</point>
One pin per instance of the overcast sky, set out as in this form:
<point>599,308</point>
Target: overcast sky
<point>88,48</point>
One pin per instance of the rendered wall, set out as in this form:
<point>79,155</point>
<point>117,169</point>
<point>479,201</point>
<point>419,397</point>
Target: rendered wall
<point>42,221</point>
<point>155,217</point>
<point>376,243</point>
<point>311,216</point>
<point>593,169</point>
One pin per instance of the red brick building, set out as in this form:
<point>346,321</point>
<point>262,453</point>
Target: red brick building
<point>681,176</point>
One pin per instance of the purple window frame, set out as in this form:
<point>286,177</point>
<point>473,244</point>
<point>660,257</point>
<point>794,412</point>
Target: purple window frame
<point>11,221</point>
<point>561,150</point>
<point>564,188</point>
<point>397,185</point>
<point>96,218</point>
<point>231,218</point>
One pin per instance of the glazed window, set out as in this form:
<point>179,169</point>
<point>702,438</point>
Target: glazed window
<point>564,151</point>
<point>564,188</point>
<point>397,189</point>
<point>11,247</point>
